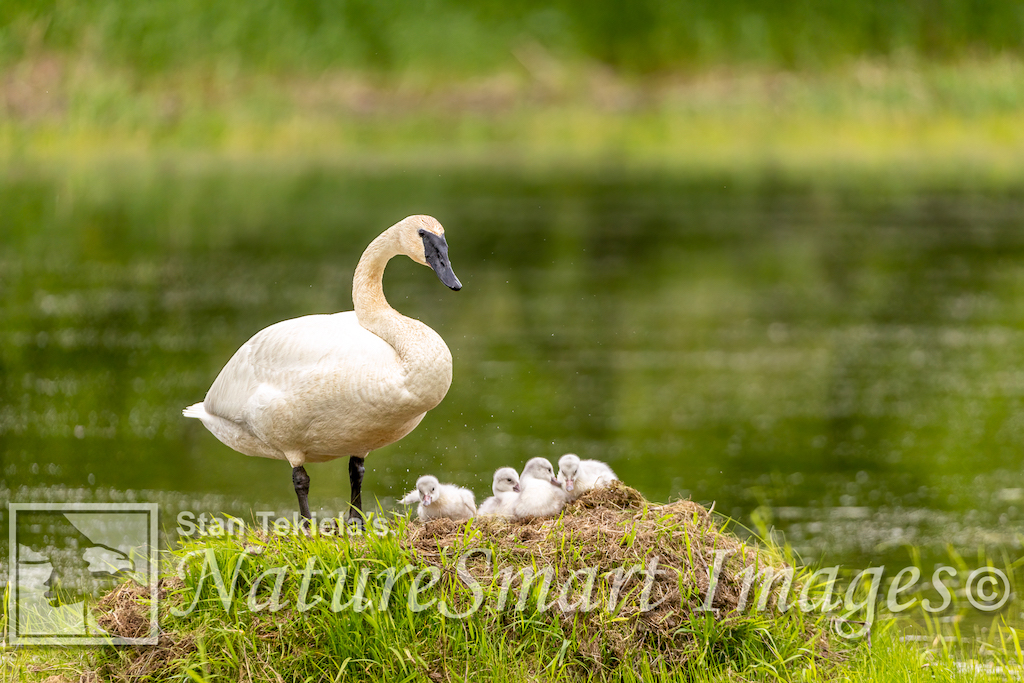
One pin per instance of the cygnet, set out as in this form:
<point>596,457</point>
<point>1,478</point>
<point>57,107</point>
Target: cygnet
<point>541,495</point>
<point>437,500</point>
<point>579,476</point>
<point>506,493</point>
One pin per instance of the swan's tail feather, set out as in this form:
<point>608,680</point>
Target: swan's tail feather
<point>411,498</point>
<point>195,410</point>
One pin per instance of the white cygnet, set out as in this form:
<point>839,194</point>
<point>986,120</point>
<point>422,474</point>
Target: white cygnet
<point>579,476</point>
<point>437,500</point>
<point>541,495</point>
<point>506,493</point>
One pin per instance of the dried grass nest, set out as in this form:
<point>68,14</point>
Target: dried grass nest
<point>610,528</point>
<point>615,527</point>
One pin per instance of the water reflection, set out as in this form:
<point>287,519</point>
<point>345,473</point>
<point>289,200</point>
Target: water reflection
<point>847,359</point>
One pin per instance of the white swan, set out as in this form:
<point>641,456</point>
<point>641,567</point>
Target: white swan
<point>320,387</point>
<point>579,476</point>
<point>506,491</point>
<point>541,495</point>
<point>437,500</point>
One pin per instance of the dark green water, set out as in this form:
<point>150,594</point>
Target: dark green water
<point>851,359</point>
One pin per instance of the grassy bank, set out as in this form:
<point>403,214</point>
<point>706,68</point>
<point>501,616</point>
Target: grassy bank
<point>455,36</point>
<point>283,612</point>
<point>924,124</point>
<point>746,87</point>
<point>821,89</point>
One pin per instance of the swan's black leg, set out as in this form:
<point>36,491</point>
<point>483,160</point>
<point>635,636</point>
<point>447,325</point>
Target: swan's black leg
<point>301,481</point>
<point>355,476</point>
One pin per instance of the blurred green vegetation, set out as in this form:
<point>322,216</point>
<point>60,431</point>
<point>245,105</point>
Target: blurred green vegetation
<point>813,90</point>
<point>459,36</point>
<point>958,123</point>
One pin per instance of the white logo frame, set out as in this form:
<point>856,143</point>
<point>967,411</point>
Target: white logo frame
<point>143,519</point>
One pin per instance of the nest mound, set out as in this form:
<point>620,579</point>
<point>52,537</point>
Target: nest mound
<point>617,495</point>
<point>609,528</point>
<point>613,529</point>
<point>664,553</point>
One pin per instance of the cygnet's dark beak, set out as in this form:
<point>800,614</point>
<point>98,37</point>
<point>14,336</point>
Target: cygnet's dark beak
<point>435,250</point>
<point>516,488</point>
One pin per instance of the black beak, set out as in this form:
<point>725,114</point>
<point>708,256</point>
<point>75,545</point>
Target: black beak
<point>435,249</point>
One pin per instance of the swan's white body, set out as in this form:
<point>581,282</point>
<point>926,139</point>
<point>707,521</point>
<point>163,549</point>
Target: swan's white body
<point>505,488</point>
<point>437,500</point>
<point>579,476</point>
<point>541,494</point>
<point>321,387</point>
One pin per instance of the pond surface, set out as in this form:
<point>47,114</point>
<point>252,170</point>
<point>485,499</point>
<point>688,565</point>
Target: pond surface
<point>845,365</point>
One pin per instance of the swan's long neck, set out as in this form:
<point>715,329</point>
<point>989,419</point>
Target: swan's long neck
<point>372,308</point>
<point>423,353</point>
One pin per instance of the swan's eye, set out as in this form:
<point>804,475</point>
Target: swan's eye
<point>422,232</point>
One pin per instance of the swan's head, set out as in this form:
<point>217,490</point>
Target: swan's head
<point>540,468</point>
<point>422,240</point>
<point>429,487</point>
<point>506,479</point>
<point>568,466</point>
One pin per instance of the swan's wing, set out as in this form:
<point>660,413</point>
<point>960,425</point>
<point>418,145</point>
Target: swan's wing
<point>596,473</point>
<point>285,357</point>
<point>528,500</point>
<point>489,506</point>
<point>411,497</point>
<point>605,475</point>
<point>502,504</point>
<point>469,500</point>
<point>606,471</point>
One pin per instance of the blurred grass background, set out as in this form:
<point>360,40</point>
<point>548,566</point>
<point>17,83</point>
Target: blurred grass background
<point>458,36</point>
<point>926,89</point>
